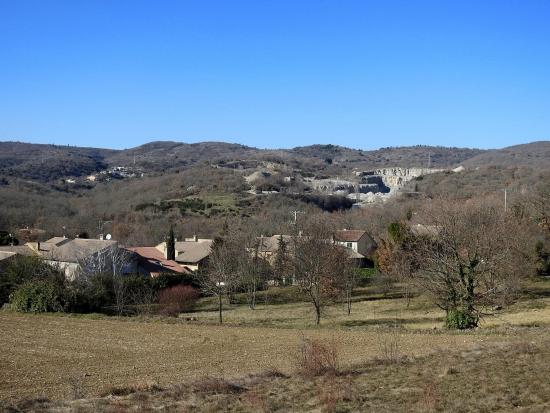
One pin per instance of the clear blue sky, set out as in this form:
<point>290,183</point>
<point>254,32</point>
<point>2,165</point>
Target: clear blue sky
<point>275,73</point>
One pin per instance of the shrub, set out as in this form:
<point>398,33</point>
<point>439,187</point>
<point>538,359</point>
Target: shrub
<point>177,299</point>
<point>92,294</point>
<point>316,358</point>
<point>21,269</point>
<point>461,319</point>
<point>170,280</point>
<point>37,296</point>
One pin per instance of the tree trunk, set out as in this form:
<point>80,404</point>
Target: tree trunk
<point>220,307</point>
<point>348,293</point>
<point>317,314</point>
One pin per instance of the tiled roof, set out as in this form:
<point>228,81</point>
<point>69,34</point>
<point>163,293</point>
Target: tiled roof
<point>5,255</point>
<point>271,244</point>
<point>349,235</point>
<point>154,261</point>
<point>72,250</point>
<point>193,251</point>
<point>18,249</point>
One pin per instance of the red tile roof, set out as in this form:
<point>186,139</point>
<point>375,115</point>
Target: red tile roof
<point>153,261</point>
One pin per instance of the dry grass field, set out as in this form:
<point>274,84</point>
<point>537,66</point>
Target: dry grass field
<point>151,364</point>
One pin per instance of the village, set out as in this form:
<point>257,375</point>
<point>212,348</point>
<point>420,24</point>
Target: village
<point>274,206</point>
<point>75,256</point>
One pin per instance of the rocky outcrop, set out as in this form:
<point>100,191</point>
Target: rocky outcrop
<point>393,178</point>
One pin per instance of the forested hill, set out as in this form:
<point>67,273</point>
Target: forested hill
<point>47,163</point>
<point>535,155</point>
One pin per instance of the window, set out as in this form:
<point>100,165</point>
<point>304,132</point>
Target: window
<point>349,245</point>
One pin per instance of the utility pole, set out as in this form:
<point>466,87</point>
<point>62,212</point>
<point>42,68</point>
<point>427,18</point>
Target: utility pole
<point>429,159</point>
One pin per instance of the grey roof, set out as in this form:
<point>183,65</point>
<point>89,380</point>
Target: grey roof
<point>18,249</point>
<point>53,242</point>
<point>193,251</point>
<point>72,250</point>
<point>271,244</point>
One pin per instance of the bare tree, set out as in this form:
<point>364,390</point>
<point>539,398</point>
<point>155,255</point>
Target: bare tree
<point>220,275</point>
<point>539,203</point>
<point>317,263</point>
<point>252,269</point>
<point>347,281</point>
<point>114,262</point>
<point>390,258</point>
<point>472,260</point>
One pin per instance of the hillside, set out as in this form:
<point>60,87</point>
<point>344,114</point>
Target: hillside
<point>49,163</point>
<point>411,156</point>
<point>534,154</point>
<point>197,187</point>
<point>46,163</point>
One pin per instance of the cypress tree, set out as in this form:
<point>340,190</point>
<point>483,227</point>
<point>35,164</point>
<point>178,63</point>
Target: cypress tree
<point>171,245</point>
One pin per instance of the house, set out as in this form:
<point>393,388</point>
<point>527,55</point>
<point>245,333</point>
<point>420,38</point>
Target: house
<point>269,246</point>
<point>360,245</point>
<point>192,253</point>
<point>87,255</point>
<point>152,262</point>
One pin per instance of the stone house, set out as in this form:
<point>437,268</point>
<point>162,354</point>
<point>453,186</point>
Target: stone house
<point>84,255</point>
<point>359,243</point>
<point>152,262</point>
<point>192,253</point>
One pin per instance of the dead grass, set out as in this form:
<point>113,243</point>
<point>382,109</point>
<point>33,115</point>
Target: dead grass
<point>490,378</point>
<point>216,385</point>
<point>41,353</point>
<point>390,357</point>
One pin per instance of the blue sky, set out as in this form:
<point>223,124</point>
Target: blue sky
<point>363,74</point>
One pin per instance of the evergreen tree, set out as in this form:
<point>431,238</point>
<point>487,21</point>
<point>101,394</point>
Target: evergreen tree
<point>280,265</point>
<point>171,245</point>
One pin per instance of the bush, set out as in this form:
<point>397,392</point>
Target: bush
<point>92,294</point>
<point>177,299</point>
<point>38,296</point>
<point>21,269</point>
<point>316,358</point>
<point>461,320</point>
<point>170,280</point>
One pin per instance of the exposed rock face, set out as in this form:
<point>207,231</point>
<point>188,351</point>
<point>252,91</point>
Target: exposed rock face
<point>370,186</point>
<point>332,185</point>
<point>393,178</point>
